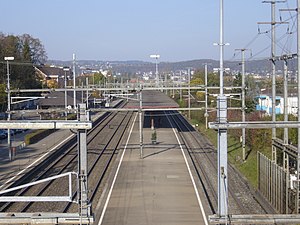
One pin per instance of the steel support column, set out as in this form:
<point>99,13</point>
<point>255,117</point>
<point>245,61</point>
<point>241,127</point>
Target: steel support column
<point>74,82</point>
<point>66,96</point>
<point>8,110</point>
<point>87,92</point>
<point>141,123</point>
<point>84,210</point>
<point>273,52</point>
<point>180,91</point>
<point>285,96</point>
<point>286,134</point>
<point>298,81</point>
<point>222,133</point>
<point>166,83</point>
<point>156,72</point>
<point>189,92</point>
<point>222,158</point>
<point>273,60</point>
<point>206,98</point>
<point>243,105</point>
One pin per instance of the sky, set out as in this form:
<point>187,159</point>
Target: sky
<point>177,30</point>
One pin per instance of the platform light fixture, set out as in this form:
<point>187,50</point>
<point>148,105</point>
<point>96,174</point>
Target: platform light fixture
<point>7,59</point>
<point>66,69</point>
<point>74,81</point>
<point>155,56</point>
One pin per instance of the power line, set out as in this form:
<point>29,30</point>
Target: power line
<point>20,63</point>
<point>292,17</point>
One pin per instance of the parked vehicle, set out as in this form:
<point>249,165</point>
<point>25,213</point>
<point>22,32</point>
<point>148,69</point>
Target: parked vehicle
<point>17,131</point>
<point>12,132</point>
<point>3,134</point>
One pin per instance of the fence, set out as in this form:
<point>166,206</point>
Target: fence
<point>273,183</point>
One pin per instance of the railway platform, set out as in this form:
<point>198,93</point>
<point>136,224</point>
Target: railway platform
<point>153,100</point>
<point>156,189</point>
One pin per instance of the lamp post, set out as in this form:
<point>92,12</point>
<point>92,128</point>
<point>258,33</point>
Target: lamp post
<point>222,133</point>
<point>87,92</point>
<point>7,59</point>
<point>74,81</point>
<point>206,104</point>
<point>189,91</point>
<point>115,81</point>
<point>66,69</point>
<point>156,57</point>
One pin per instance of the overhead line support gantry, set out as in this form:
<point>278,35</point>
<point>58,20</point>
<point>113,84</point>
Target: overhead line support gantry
<point>273,53</point>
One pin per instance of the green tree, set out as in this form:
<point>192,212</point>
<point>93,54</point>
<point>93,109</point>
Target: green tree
<point>26,51</point>
<point>37,51</point>
<point>3,97</point>
<point>196,81</point>
<point>99,78</point>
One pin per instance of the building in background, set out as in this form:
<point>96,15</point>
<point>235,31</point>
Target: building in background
<point>264,103</point>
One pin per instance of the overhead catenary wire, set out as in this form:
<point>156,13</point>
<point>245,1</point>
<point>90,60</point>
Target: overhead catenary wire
<point>293,28</point>
<point>281,46</point>
<point>252,41</point>
<point>278,44</point>
<point>280,24</point>
<point>288,6</point>
<point>253,57</point>
<point>20,63</point>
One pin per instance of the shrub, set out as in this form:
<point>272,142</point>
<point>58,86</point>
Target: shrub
<point>36,136</point>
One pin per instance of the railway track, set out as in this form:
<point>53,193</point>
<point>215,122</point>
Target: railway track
<point>103,144</point>
<point>204,158</point>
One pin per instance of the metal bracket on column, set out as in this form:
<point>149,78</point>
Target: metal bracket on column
<point>67,198</point>
<point>274,154</point>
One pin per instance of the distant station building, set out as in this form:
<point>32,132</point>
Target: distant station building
<point>53,77</point>
<point>56,100</point>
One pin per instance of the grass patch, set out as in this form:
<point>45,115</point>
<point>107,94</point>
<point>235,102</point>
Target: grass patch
<point>247,168</point>
<point>37,135</point>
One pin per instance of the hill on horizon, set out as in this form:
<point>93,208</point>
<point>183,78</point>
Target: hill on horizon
<point>261,67</point>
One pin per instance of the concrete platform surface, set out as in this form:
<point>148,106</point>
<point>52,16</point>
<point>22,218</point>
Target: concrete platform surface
<point>157,189</point>
<point>152,100</point>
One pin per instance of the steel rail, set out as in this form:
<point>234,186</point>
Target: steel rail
<point>91,169</point>
<point>104,118</point>
<point>72,159</point>
<point>110,160</point>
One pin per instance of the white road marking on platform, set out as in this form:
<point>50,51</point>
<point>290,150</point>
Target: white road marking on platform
<point>39,159</point>
<point>191,176</point>
<point>172,177</point>
<point>115,177</point>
